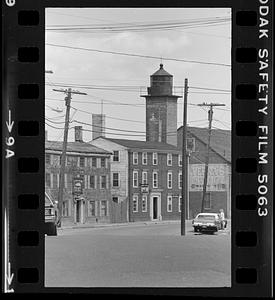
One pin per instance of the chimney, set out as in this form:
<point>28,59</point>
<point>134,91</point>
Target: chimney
<point>98,125</point>
<point>78,134</point>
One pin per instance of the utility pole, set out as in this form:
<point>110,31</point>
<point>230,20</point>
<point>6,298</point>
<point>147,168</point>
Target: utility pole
<point>184,160</point>
<point>210,118</point>
<point>68,99</point>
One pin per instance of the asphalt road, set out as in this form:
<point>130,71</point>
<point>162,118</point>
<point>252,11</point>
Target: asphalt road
<point>138,255</point>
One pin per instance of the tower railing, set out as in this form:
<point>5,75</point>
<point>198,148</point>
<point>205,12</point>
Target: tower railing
<point>176,90</point>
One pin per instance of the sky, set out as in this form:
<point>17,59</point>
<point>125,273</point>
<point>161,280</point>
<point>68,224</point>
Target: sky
<point>113,83</point>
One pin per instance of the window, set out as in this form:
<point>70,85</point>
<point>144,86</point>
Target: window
<point>103,162</point>
<point>103,208</point>
<point>144,203</point>
<point>135,203</point>
<point>71,161</point>
<point>155,158</point>
<point>169,159</point>
<point>207,201</point>
<point>115,179</point>
<point>48,180</point>
<point>180,180</point>
<point>115,199</point>
<point>94,162</point>
<point>135,178</point>
<point>135,158</point>
<point>65,209</point>
<point>55,182</point>
<point>180,160</point>
<point>82,162</point>
<point>116,156</point>
<point>180,203</point>
<point>144,158</point>
<point>169,180</point>
<point>92,181</point>
<point>144,177</point>
<point>103,182</point>
<point>48,159</point>
<point>155,179</point>
<point>91,209</point>
<point>169,203</point>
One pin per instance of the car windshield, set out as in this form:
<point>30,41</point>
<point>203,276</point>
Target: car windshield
<point>205,217</point>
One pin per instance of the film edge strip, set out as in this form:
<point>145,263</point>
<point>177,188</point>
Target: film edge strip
<point>28,202</point>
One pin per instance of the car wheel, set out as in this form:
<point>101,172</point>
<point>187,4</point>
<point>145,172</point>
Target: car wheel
<point>196,229</point>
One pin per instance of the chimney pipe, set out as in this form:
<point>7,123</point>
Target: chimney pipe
<point>78,134</point>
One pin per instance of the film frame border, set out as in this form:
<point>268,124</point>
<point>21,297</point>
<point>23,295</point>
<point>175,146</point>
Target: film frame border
<point>24,50</point>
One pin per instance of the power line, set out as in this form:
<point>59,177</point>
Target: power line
<point>138,55</point>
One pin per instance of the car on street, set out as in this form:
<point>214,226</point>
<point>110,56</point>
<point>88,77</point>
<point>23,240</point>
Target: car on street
<point>207,222</point>
<point>50,216</point>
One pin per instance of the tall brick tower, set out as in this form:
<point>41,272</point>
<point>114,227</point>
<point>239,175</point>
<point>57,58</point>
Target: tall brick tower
<point>161,109</point>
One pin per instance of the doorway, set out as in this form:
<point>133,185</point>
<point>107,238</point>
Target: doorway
<point>155,206</point>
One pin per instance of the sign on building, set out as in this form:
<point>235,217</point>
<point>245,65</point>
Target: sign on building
<point>217,179</point>
<point>78,186</point>
<point>144,188</point>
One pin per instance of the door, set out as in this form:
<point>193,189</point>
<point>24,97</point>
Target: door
<point>155,207</point>
<point>78,211</point>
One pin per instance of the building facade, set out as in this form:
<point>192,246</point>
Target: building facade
<point>88,166</point>
<point>149,179</point>
<point>218,191</point>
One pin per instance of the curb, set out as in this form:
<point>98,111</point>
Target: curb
<point>122,224</point>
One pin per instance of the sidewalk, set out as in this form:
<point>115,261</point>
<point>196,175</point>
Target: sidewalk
<point>138,223</point>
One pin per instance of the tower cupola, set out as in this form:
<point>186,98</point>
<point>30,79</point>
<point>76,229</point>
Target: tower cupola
<point>161,108</point>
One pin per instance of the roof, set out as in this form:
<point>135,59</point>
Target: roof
<point>220,140</point>
<point>136,144</point>
<point>75,147</point>
<point>161,72</point>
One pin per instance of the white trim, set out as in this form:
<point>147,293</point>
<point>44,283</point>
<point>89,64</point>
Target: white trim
<point>135,179</point>
<point>135,199</point>
<point>116,161</point>
<point>169,203</point>
<point>155,157</point>
<point>144,177</point>
<point>157,181</point>
<point>179,204</point>
<point>180,181</point>
<point>169,181</point>
<point>118,179</point>
<point>135,157</point>
<point>144,157</point>
<point>158,195</point>
<point>144,199</point>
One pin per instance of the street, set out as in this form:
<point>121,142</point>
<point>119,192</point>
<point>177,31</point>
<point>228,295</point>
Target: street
<point>137,255</point>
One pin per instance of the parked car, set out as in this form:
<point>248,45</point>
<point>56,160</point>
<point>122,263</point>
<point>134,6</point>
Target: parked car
<point>208,222</point>
<point>50,216</point>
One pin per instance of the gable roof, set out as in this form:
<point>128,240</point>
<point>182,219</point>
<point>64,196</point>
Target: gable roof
<point>220,140</point>
<point>144,145</point>
<point>81,147</point>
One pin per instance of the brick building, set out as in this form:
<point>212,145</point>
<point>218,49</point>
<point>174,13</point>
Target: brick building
<point>145,179</point>
<point>219,173</point>
<point>88,164</point>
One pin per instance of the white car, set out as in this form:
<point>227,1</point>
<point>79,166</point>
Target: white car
<point>210,222</point>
